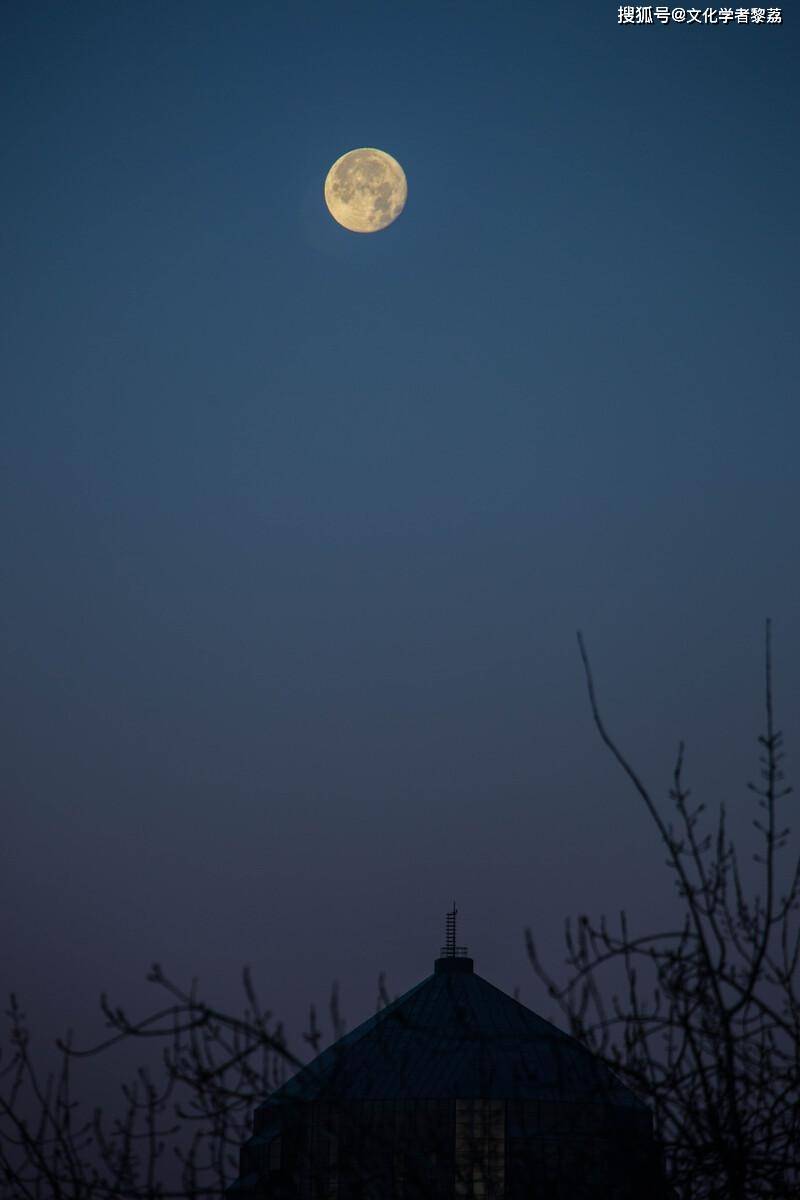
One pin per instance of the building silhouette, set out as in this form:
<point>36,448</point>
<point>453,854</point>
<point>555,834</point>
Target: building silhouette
<point>455,1091</point>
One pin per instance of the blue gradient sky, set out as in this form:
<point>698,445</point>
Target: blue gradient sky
<point>298,525</point>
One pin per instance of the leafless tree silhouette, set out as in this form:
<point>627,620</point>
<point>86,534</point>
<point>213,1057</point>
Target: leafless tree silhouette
<point>703,1020</point>
<point>176,1137</point>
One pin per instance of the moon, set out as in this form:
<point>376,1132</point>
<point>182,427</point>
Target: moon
<point>365,190</point>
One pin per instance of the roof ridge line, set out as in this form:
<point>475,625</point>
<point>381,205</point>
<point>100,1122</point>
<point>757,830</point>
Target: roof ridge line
<point>345,1042</point>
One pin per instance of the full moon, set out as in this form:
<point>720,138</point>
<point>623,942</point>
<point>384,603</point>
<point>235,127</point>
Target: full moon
<point>366,190</point>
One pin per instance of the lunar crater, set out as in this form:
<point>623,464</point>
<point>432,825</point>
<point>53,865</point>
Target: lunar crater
<point>366,190</point>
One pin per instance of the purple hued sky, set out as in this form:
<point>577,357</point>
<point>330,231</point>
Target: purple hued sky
<point>299,525</point>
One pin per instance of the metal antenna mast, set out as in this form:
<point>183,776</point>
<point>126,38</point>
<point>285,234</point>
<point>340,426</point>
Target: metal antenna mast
<point>450,949</point>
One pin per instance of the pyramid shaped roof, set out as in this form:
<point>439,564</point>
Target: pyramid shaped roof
<point>455,1035</point>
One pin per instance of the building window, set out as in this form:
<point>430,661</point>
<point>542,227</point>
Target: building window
<point>480,1149</point>
<point>274,1154</point>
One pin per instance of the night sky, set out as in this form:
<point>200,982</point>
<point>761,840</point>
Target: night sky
<point>298,525</point>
